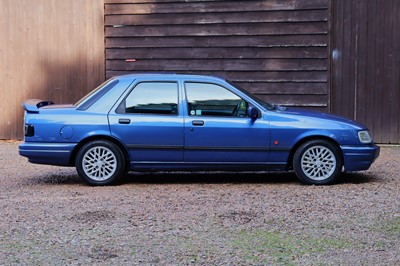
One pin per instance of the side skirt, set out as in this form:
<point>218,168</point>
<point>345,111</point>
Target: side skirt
<point>207,166</point>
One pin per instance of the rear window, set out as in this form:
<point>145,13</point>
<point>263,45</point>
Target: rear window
<point>94,95</point>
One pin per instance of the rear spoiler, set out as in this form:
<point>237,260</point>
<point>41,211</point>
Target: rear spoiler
<point>33,105</point>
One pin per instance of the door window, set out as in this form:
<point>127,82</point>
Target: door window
<point>205,99</point>
<point>152,98</point>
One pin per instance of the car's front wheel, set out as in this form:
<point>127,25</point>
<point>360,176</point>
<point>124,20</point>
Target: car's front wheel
<point>100,163</point>
<point>317,162</point>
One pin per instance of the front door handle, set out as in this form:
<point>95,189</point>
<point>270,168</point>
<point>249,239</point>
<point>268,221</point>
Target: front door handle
<point>124,121</point>
<point>198,123</point>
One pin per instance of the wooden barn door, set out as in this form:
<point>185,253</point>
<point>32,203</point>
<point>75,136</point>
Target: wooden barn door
<point>365,65</point>
<point>276,49</point>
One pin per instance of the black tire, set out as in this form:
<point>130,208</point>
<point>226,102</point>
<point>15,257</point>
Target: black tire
<point>317,162</point>
<point>100,163</point>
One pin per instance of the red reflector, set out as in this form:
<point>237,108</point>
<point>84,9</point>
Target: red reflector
<point>130,60</point>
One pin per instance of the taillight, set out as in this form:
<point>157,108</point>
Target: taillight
<point>29,131</point>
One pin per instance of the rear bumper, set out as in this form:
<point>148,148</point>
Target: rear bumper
<point>358,158</point>
<point>47,153</point>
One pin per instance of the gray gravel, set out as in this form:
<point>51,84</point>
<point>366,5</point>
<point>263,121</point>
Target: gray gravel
<point>50,217</point>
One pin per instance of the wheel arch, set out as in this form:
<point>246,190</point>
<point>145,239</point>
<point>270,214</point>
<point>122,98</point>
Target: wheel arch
<point>115,141</point>
<point>310,138</point>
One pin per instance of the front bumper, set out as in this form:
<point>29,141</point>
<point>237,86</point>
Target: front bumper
<point>47,153</point>
<point>359,158</point>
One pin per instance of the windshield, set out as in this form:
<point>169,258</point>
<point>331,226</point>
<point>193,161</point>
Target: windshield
<point>261,102</point>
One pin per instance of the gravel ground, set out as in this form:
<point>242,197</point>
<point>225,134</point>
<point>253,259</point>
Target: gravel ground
<point>50,217</point>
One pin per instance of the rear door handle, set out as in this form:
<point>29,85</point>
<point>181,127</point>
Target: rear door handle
<point>124,121</point>
<point>198,123</point>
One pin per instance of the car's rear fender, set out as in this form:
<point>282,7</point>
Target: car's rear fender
<point>99,137</point>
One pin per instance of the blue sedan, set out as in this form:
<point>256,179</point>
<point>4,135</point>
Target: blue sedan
<point>162,122</point>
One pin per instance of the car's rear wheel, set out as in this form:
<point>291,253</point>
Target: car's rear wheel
<point>100,163</point>
<point>317,162</point>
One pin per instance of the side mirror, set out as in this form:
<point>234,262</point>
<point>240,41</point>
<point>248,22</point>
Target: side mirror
<point>252,112</point>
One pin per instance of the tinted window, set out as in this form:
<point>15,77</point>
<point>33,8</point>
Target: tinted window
<point>206,99</point>
<point>152,98</point>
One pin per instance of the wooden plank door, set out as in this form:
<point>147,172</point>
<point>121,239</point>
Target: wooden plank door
<point>365,65</point>
<point>275,49</point>
<point>49,49</point>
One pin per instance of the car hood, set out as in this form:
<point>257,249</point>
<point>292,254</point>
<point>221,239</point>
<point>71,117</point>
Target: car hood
<point>320,115</point>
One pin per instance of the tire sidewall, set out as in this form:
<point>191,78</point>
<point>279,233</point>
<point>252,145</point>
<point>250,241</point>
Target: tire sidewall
<point>119,172</point>
<point>298,157</point>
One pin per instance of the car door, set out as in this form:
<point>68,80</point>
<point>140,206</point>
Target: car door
<point>218,129</point>
<point>148,122</point>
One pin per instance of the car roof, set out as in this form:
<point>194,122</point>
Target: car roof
<point>162,76</point>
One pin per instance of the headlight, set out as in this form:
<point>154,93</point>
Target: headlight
<point>364,137</point>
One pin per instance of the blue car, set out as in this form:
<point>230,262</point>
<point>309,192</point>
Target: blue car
<point>169,122</point>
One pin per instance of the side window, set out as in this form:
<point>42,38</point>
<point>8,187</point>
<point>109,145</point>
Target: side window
<point>152,98</point>
<point>206,99</point>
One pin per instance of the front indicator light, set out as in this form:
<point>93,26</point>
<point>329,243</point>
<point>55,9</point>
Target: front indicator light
<point>364,137</point>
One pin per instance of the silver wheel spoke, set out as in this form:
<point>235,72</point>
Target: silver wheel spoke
<point>99,163</point>
<point>318,163</point>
